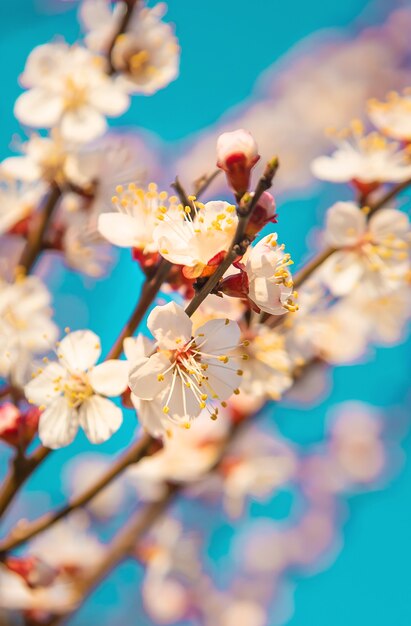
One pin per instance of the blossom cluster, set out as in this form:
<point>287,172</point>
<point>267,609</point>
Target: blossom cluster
<point>230,327</point>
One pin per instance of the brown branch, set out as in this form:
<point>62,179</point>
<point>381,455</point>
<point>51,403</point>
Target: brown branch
<point>202,183</point>
<point>34,243</point>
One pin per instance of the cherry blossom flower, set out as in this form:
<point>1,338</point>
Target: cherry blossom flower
<point>270,285</point>
<point>373,253</point>
<point>135,218</point>
<point>198,242</point>
<point>69,88</point>
<point>26,328</point>
<point>17,203</point>
<point>44,158</point>
<point>393,117</point>
<point>72,392</point>
<point>237,153</point>
<point>364,159</point>
<point>268,371</point>
<point>190,370</point>
<point>146,56</point>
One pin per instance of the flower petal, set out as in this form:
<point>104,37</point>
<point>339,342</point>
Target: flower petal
<point>43,389</point>
<point>219,336</point>
<point>346,224</point>
<point>341,272</point>
<point>109,99</point>
<point>58,424</point>
<point>389,223</point>
<point>143,380</point>
<point>110,378</point>
<point>79,350</point>
<point>170,325</point>
<point>38,108</point>
<point>100,418</point>
<point>82,124</point>
<point>120,229</point>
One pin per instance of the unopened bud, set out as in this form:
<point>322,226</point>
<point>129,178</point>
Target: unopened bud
<point>237,153</point>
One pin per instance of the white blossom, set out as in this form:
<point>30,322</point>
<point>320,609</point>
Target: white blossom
<point>73,392</point>
<point>69,88</point>
<point>196,241</point>
<point>190,370</point>
<point>365,159</point>
<point>270,281</point>
<point>26,328</point>
<point>374,253</point>
<point>17,202</point>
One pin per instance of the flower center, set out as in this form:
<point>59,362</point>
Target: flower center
<point>75,95</point>
<point>77,389</point>
<point>14,320</point>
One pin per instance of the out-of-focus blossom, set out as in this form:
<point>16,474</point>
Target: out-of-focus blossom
<point>146,55</point>
<point>270,284</point>
<point>237,153</point>
<point>188,372</point>
<point>26,328</point>
<point>254,470</point>
<point>393,117</point>
<point>199,241</point>
<point>18,427</point>
<point>365,160</point>
<point>17,203</point>
<point>44,158</point>
<point>73,392</point>
<point>268,372</point>
<point>262,214</point>
<point>374,253</point>
<point>68,87</point>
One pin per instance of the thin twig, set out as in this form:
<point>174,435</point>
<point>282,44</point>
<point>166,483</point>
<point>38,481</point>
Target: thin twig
<point>202,183</point>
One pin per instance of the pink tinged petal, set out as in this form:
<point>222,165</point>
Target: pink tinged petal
<point>79,350</point>
<point>46,387</point>
<point>58,424</point>
<point>82,125</point>
<point>110,378</point>
<point>170,325</point>
<point>146,376</point>
<point>219,336</point>
<point>120,229</point>
<point>342,272</point>
<point>346,224</point>
<point>109,100</point>
<point>100,418</point>
<point>38,108</point>
<point>389,222</point>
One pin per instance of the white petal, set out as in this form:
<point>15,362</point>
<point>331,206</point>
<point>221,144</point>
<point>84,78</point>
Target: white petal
<point>100,418</point>
<point>150,415</point>
<point>110,100</point>
<point>82,125</point>
<point>138,347</point>
<point>342,272</point>
<point>58,424</point>
<point>222,380</point>
<point>170,325</point>
<point>43,389</point>
<point>220,336</point>
<point>346,224</point>
<point>389,222</point>
<point>110,378</point>
<point>22,168</point>
<point>143,379</point>
<point>79,350</point>
<point>39,108</point>
<point>120,229</point>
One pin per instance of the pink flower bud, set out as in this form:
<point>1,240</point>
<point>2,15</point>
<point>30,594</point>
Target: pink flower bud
<point>18,428</point>
<point>35,572</point>
<point>237,153</point>
<point>263,213</point>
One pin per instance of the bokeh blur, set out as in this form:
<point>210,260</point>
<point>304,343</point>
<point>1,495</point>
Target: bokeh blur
<point>285,71</point>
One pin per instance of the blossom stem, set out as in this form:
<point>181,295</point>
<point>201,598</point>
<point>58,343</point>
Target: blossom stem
<point>239,243</point>
<point>34,243</point>
<point>203,183</point>
<point>22,468</point>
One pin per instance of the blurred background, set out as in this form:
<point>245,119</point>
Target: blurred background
<point>285,71</point>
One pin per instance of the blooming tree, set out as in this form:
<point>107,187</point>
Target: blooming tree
<point>240,329</point>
